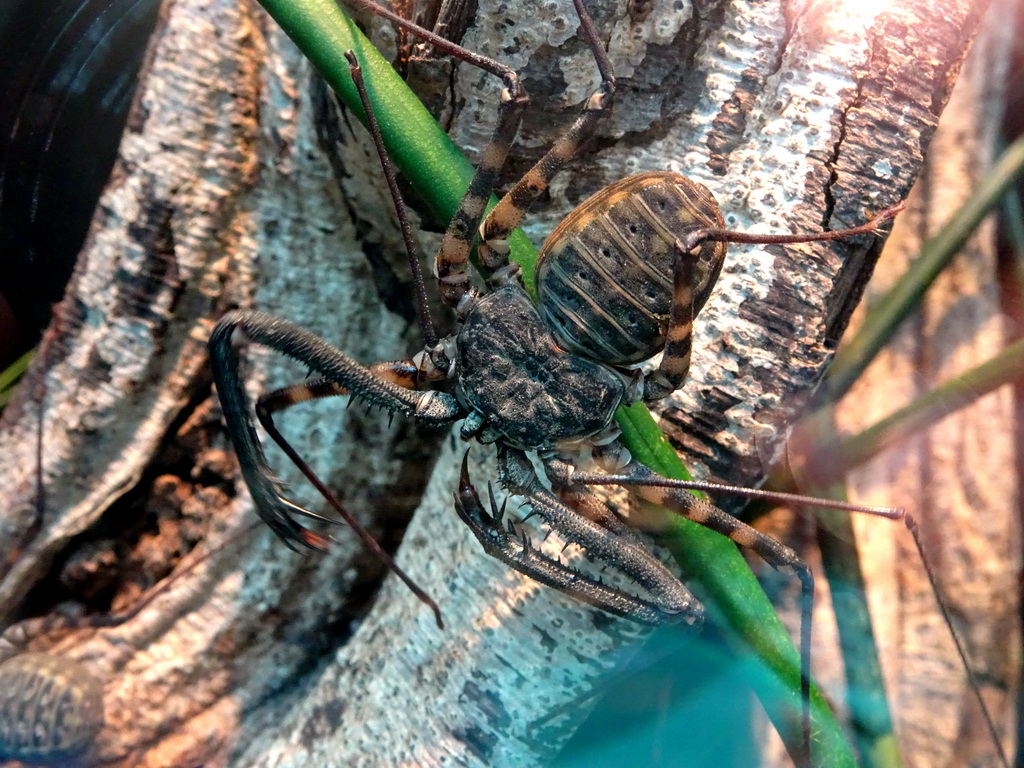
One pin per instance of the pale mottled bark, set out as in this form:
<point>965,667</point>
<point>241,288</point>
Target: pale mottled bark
<point>227,187</point>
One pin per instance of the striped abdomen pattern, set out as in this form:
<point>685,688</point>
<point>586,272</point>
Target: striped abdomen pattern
<point>604,277</point>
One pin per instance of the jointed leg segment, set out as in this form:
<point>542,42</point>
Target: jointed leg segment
<point>452,261</point>
<point>340,372</point>
<point>509,211</point>
<point>669,600</point>
<point>664,492</point>
<point>401,373</point>
<point>675,363</point>
<point>581,519</point>
<point>675,359</point>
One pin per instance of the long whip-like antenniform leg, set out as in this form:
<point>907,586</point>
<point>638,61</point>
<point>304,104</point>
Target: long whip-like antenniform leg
<point>511,209</point>
<point>680,487</point>
<point>335,366</point>
<point>659,490</point>
<point>675,362</point>
<point>452,261</point>
<point>412,251</point>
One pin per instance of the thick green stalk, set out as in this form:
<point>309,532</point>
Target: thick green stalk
<point>871,719</point>
<point>838,551</point>
<point>870,716</point>
<point>737,603</point>
<point>416,144</point>
<point>835,457</point>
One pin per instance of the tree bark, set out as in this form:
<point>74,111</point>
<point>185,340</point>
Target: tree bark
<point>958,477</point>
<point>240,184</point>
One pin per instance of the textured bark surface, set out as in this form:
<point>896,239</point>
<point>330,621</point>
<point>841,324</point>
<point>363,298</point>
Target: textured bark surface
<point>239,185</point>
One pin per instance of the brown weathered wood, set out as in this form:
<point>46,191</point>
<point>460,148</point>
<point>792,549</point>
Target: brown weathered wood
<point>957,476</point>
<point>238,186</point>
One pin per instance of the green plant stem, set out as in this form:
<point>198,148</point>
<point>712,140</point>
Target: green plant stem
<point>892,309</point>
<point>870,716</point>
<point>851,452</point>
<point>9,376</point>
<point>738,605</point>
<point>416,144</point>
<point>922,412</point>
<point>870,713</point>
<point>439,173</point>
<point>1013,228</point>
<point>835,457</point>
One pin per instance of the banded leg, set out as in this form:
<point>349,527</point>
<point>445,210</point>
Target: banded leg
<point>675,362</point>
<point>509,211</point>
<point>675,359</point>
<point>401,373</point>
<point>335,366</point>
<point>664,492</point>
<point>453,258</point>
<point>452,261</point>
<point>586,503</point>
<point>669,600</point>
<point>896,514</point>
